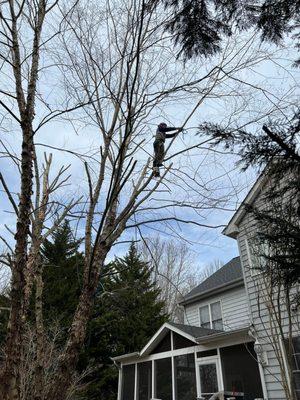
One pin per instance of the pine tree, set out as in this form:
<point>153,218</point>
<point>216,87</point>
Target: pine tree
<point>278,226</point>
<point>61,275</point>
<point>199,26</point>
<point>127,313</point>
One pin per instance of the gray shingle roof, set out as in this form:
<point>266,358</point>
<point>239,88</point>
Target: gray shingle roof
<point>195,331</point>
<point>229,273</point>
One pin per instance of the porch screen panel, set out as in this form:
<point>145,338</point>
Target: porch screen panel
<point>164,345</point>
<point>240,370</point>
<point>296,365</point>
<point>181,342</point>
<point>185,377</point>
<point>145,380</point>
<point>128,377</point>
<point>163,379</point>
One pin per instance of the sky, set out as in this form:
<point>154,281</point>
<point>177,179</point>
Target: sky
<point>266,88</point>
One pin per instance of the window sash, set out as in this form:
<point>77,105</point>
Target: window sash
<point>213,314</point>
<point>204,315</point>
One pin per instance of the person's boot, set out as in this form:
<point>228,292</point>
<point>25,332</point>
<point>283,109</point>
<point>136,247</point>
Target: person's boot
<point>156,173</point>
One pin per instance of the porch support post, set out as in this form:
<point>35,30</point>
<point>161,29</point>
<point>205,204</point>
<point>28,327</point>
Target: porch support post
<point>220,369</point>
<point>136,382</point>
<point>153,379</point>
<point>263,382</point>
<point>197,374</point>
<point>173,368</point>
<point>120,383</point>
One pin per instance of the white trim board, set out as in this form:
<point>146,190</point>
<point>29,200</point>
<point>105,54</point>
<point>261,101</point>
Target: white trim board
<point>160,334</point>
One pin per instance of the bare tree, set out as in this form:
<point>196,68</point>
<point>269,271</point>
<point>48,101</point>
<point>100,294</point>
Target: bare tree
<point>120,63</point>
<point>173,270</point>
<point>119,72</point>
<point>279,322</point>
<point>22,43</point>
<point>210,269</point>
<point>51,350</point>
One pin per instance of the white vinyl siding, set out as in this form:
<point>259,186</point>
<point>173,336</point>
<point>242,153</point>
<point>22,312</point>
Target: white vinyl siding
<point>234,308</point>
<point>272,371</point>
<point>258,312</point>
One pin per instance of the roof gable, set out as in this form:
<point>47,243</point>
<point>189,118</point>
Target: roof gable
<point>195,334</point>
<point>227,275</point>
<point>189,332</point>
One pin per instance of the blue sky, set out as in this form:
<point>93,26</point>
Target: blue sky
<point>232,104</point>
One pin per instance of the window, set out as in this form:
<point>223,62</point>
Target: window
<point>216,316</point>
<point>296,365</point>
<point>185,377</point>
<point>128,382</point>
<point>204,317</point>
<point>211,316</point>
<point>163,379</point>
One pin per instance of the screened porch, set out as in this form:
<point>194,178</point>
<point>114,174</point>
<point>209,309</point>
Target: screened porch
<point>174,367</point>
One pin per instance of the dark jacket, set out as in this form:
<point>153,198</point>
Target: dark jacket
<point>161,134</point>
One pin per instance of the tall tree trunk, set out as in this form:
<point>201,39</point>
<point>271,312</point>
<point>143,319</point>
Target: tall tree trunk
<point>67,362</point>
<point>39,369</point>
<point>10,375</point>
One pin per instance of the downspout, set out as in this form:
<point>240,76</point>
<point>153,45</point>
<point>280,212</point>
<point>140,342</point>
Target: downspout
<point>119,367</point>
<point>262,360</point>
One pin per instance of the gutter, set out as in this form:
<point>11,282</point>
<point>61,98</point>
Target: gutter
<point>116,363</point>
<point>218,289</point>
<point>221,335</point>
<point>125,357</point>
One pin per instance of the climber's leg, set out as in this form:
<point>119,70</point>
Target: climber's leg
<point>160,154</point>
<point>158,157</point>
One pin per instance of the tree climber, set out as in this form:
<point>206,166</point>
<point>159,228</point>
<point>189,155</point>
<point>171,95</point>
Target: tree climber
<point>159,145</point>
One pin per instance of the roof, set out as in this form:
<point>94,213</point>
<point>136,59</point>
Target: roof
<point>196,334</point>
<point>227,276</point>
<point>195,331</point>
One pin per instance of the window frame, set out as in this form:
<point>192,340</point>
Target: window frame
<point>210,313</point>
<point>215,360</point>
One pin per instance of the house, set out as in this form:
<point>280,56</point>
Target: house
<point>211,352</point>
<point>267,305</point>
<point>224,344</point>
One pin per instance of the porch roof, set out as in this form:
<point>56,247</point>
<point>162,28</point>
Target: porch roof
<point>195,334</point>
